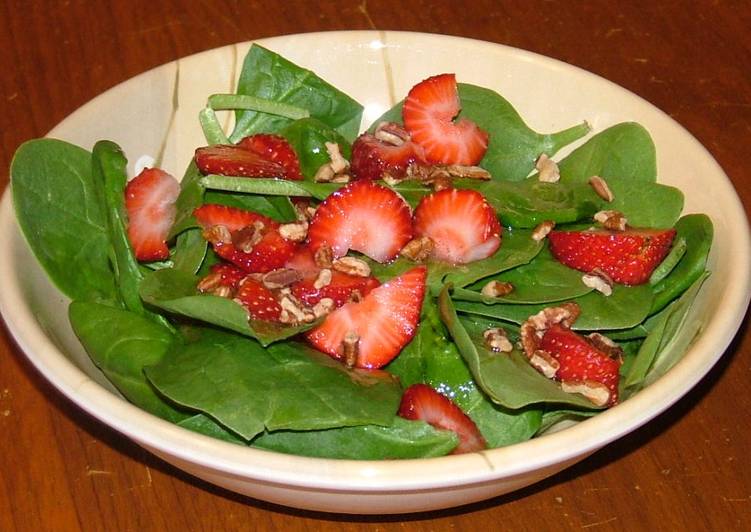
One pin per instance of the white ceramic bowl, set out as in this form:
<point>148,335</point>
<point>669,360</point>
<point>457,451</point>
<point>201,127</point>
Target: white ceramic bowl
<point>376,68</point>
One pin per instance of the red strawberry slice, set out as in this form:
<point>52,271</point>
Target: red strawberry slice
<point>463,226</point>
<point>372,158</point>
<point>229,274</point>
<point>628,257</point>
<point>340,289</point>
<point>150,203</point>
<point>304,262</point>
<point>422,402</point>
<point>581,361</point>
<point>275,149</point>
<point>259,301</point>
<point>382,323</point>
<point>234,219</point>
<point>271,251</point>
<point>428,114</point>
<point>362,216</point>
<point>236,161</point>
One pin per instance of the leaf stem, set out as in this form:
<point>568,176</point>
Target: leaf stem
<point>212,130</point>
<point>220,102</point>
<point>269,187</point>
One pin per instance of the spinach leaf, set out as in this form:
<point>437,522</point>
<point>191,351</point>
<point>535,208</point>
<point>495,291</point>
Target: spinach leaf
<point>697,230</point>
<point>557,415</point>
<point>110,176</point>
<point>205,425</point>
<point>58,209</point>
<point>190,198</point>
<point>175,291</point>
<point>513,147</point>
<point>121,344</point>
<point>624,150</point>
<point>403,439</point>
<point>308,137</point>
<point>267,75</point>
<point>190,251</point>
<point>507,378</point>
<point>277,208</point>
<point>248,389</point>
<point>543,280</point>
<point>625,308</point>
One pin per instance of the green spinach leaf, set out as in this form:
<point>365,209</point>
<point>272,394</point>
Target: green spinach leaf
<point>308,137</point>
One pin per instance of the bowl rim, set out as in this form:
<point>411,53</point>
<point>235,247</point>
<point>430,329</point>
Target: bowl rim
<point>382,475</point>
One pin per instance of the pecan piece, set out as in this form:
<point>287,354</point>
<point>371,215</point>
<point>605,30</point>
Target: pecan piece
<point>497,341</point>
<point>295,231</point>
<point>280,278</point>
<point>599,280</point>
<point>418,249</point>
<point>535,326</point>
<point>323,279</point>
<point>350,348</point>
<point>544,362</point>
<point>351,266</point>
<point>596,392</point>
<point>613,220</point>
<point>547,169</point>
<point>497,289</point>
<point>601,188</point>
<point>542,230</point>
<point>324,256</point>
<point>338,162</point>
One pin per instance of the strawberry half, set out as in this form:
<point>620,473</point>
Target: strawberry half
<point>628,257</point>
<point>258,300</point>
<point>580,361</point>
<point>268,251</point>
<point>463,226</point>
<point>236,161</point>
<point>422,402</point>
<point>372,158</point>
<point>275,149</point>
<point>428,113</point>
<point>229,274</point>
<point>382,323</point>
<point>150,203</point>
<point>340,289</point>
<point>362,216</point>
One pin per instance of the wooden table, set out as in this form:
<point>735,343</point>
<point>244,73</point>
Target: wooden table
<point>62,470</point>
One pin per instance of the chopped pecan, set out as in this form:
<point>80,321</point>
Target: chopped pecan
<point>497,289</point>
<point>613,220</point>
<point>351,266</point>
<point>210,282</point>
<point>295,231</point>
<point>217,234</point>
<point>601,188</point>
<point>280,278</point>
<point>542,230</point>
<point>497,340</point>
<point>606,345</point>
<point>323,279</point>
<point>596,392</point>
<point>391,133</point>
<point>338,162</point>
<point>247,237</point>
<point>547,169</point>
<point>599,280</point>
<point>341,178</point>
<point>418,249</point>
<point>294,310</point>
<point>544,362</point>
<point>535,326</point>
<point>324,174</point>
<point>324,306</point>
<point>441,183</point>
<point>223,291</point>
<point>350,348</point>
<point>324,256</point>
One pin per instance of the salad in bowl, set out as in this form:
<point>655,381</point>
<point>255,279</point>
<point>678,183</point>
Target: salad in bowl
<point>442,282</point>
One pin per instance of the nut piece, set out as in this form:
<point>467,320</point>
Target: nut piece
<point>606,345</point>
<point>391,133</point>
<point>324,174</point>
<point>323,307</point>
<point>601,188</point>
<point>324,256</point>
<point>280,278</point>
<point>533,329</point>
<point>323,279</point>
<point>217,234</point>
<point>293,311</point>
<point>338,162</point>
<point>596,392</point>
<point>547,169</point>
<point>210,282</point>
<point>542,230</point>
<point>295,232</point>
<point>223,291</point>
<point>341,178</point>
<point>497,341</point>
<point>418,249</point>
<point>497,289</point>
<point>352,266</point>
<point>441,183</point>
<point>599,280</point>
<point>247,237</point>
<point>613,220</point>
<point>543,362</point>
<point>351,348</point>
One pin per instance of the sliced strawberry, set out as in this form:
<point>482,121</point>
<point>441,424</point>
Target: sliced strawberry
<point>276,149</point>
<point>234,219</point>
<point>229,274</point>
<point>428,114</point>
<point>463,226</point>
<point>304,262</point>
<point>259,301</point>
<point>383,322</point>
<point>628,257</point>
<point>236,161</point>
<point>340,289</point>
<point>422,402</point>
<point>580,361</point>
<point>270,250</point>
<point>372,158</point>
<point>362,216</point>
<point>150,203</point>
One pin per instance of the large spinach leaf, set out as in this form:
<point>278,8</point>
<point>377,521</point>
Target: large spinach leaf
<point>308,137</point>
<point>403,439</point>
<point>249,389</point>
<point>57,206</point>
<point>513,147</point>
<point>268,75</point>
<point>175,291</point>
<point>121,344</point>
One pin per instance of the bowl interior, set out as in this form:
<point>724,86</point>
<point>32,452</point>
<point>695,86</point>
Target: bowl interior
<point>155,115</point>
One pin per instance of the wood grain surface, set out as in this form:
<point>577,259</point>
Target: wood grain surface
<point>688,470</point>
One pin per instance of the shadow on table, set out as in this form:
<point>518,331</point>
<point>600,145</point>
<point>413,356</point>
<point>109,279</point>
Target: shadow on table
<point>613,452</point>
